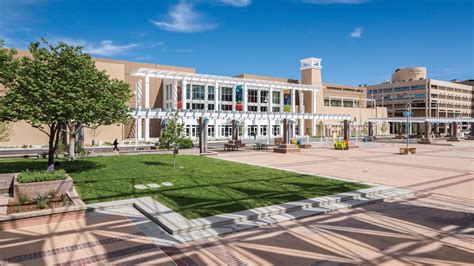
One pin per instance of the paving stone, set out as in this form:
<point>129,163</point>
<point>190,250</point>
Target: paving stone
<point>140,186</point>
<point>153,185</point>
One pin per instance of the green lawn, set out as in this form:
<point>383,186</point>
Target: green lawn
<point>202,186</point>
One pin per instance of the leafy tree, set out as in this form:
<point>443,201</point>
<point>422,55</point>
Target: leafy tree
<point>4,131</point>
<point>365,129</point>
<point>384,127</point>
<point>172,134</point>
<point>320,128</point>
<point>59,89</point>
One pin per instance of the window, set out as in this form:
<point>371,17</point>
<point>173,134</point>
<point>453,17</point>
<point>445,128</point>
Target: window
<point>226,107</point>
<point>198,92</point>
<point>388,90</point>
<point>252,130</point>
<point>226,130</point>
<point>276,130</point>
<point>276,109</point>
<point>188,91</point>
<point>252,108</point>
<point>401,89</point>
<point>210,130</point>
<point>264,97</point>
<point>198,106</point>
<point>210,93</point>
<point>276,97</point>
<point>263,108</point>
<point>263,130</point>
<point>326,102</point>
<point>252,96</point>
<point>226,94</point>
<point>418,87</point>
<point>191,130</point>
<point>210,107</point>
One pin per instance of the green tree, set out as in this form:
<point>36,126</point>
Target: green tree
<point>172,134</point>
<point>4,131</point>
<point>59,89</point>
<point>320,128</point>
<point>384,127</point>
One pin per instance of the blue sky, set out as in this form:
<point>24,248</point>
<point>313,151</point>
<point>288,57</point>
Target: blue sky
<point>360,41</point>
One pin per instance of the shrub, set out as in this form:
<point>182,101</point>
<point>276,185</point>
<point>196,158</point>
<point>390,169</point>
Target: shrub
<point>23,199</point>
<point>52,193</point>
<point>340,145</point>
<point>64,200</point>
<point>40,176</point>
<point>185,143</point>
<point>41,201</point>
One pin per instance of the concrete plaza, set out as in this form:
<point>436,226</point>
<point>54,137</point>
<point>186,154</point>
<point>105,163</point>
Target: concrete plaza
<point>435,226</point>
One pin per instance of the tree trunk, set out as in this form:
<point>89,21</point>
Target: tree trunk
<point>72,147</point>
<point>51,147</point>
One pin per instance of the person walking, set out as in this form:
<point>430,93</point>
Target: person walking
<point>116,145</point>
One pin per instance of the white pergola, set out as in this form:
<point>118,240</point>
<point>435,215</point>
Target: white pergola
<point>195,77</point>
<point>158,113</point>
<point>190,116</point>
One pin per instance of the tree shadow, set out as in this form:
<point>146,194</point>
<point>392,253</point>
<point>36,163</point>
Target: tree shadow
<point>15,166</point>
<point>157,163</point>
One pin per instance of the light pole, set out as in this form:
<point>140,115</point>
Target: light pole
<point>408,114</point>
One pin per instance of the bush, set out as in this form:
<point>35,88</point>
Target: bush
<point>23,199</point>
<point>185,143</point>
<point>340,145</point>
<point>41,201</point>
<point>40,176</point>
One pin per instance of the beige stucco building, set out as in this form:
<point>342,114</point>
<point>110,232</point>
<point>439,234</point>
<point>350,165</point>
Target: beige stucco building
<point>428,97</point>
<point>259,102</point>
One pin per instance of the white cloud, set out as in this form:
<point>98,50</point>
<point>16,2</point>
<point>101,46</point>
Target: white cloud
<point>184,18</point>
<point>104,48</point>
<point>357,33</point>
<point>327,2</point>
<point>236,3</point>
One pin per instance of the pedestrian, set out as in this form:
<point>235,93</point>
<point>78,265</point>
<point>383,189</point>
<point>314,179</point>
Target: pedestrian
<point>116,145</point>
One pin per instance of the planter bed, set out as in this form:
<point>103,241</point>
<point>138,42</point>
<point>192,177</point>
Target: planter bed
<point>30,217</point>
<point>56,202</point>
<point>33,189</point>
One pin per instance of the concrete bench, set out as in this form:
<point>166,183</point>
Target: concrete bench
<point>407,150</point>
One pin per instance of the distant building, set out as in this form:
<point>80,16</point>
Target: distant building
<point>428,97</point>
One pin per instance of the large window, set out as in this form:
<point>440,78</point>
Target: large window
<point>276,109</point>
<point>188,91</point>
<point>252,96</point>
<point>198,106</point>
<point>252,108</point>
<point>263,130</point>
<point>210,93</point>
<point>199,92</point>
<point>226,130</point>
<point>210,130</point>
<point>226,94</point>
<point>264,97</point>
<point>276,130</point>
<point>276,97</point>
<point>252,129</point>
<point>226,107</point>
<point>191,130</point>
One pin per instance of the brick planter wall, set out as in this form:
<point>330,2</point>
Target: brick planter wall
<point>40,188</point>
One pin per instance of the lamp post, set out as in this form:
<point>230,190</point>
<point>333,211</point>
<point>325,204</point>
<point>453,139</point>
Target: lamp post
<point>408,114</point>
